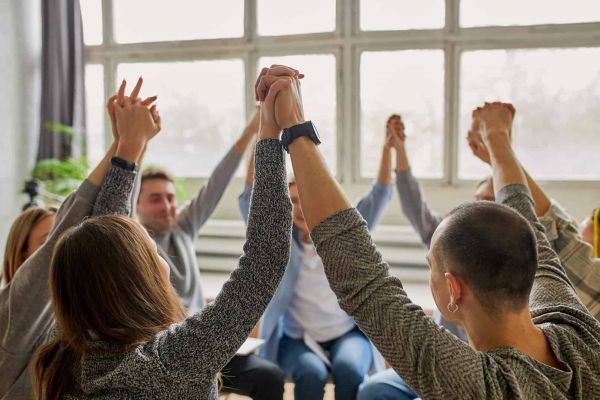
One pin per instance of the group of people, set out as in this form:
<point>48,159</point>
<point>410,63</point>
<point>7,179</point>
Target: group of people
<point>96,304</point>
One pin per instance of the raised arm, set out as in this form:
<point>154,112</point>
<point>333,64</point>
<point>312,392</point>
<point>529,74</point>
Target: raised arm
<point>372,204</point>
<point>410,341</point>
<point>211,337</point>
<point>551,286</point>
<point>196,213</point>
<point>244,197</point>
<point>423,220</point>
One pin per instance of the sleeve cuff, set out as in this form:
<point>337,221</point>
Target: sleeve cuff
<point>336,224</point>
<point>381,189</point>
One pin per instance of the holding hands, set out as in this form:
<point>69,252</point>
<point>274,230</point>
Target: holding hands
<point>133,123</point>
<point>490,124</point>
<point>278,90</point>
<point>394,132</point>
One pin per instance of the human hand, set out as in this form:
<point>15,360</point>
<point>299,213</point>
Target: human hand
<point>270,84</point>
<point>474,138</point>
<point>495,121</point>
<point>394,132</point>
<point>136,125</point>
<point>119,98</point>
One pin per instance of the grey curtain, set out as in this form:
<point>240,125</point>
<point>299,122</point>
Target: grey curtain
<point>63,95</point>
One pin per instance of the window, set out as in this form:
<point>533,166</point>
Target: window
<point>94,113</point>
<point>364,60</point>
<point>318,95</point>
<point>383,15</point>
<point>287,17</point>
<point>555,92</point>
<point>91,15</point>
<point>530,12</point>
<point>409,83</point>
<point>156,21</point>
<point>201,107</point>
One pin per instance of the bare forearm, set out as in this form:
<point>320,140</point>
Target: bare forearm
<point>506,170</point>
<point>97,175</point>
<point>244,141</point>
<point>320,195</point>
<point>402,164</point>
<point>542,201</point>
<point>385,167</point>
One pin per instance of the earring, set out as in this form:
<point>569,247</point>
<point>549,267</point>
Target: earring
<point>452,307</point>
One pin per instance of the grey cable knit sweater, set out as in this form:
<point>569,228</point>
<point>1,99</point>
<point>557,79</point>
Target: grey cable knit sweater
<point>182,362</point>
<point>26,318</point>
<point>435,363</point>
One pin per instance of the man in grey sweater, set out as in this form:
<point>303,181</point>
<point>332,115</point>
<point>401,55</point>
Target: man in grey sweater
<point>175,232</point>
<point>530,336</point>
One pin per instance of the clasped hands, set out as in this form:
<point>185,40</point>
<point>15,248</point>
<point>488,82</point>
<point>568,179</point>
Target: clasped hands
<point>278,91</point>
<point>491,125</point>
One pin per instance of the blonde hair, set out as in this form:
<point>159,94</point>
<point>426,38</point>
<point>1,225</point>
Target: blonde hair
<point>107,283</point>
<point>18,239</point>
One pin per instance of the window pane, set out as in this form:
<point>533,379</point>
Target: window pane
<point>155,20</point>
<point>91,15</point>
<point>530,12</point>
<point>557,96</point>
<point>286,17</point>
<point>384,15</point>
<point>409,83</point>
<point>94,113</point>
<point>202,110</point>
<point>318,96</point>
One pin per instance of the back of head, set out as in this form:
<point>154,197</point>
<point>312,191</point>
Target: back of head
<point>493,249</point>
<point>18,237</point>
<point>107,283</point>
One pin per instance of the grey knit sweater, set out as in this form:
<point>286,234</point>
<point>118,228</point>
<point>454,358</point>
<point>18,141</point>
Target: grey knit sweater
<point>434,362</point>
<point>182,362</point>
<point>26,318</point>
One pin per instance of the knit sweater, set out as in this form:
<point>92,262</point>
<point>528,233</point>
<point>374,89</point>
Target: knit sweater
<point>177,246</point>
<point>26,318</point>
<point>436,364</point>
<point>182,361</point>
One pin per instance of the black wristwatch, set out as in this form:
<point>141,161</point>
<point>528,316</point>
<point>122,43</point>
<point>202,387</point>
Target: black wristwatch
<point>304,129</point>
<point>123,164</point>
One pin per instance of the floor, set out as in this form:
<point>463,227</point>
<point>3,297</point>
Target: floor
<point>288,395</point>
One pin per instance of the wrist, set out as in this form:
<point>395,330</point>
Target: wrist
<point>130,150</point>
<point>293,122</point>
<point>269,134</point>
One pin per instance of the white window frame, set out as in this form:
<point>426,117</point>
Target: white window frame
<point>347,43</point>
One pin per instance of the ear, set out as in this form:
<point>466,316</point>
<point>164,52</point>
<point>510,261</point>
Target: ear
<point>455,287</point>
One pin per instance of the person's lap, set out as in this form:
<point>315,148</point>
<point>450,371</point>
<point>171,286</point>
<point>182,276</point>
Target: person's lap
<point>386,385</point>
<point>253,376</point>
<point>350,357</point>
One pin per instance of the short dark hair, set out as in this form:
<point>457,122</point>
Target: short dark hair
<point>156,173</point>
<point>493,248</point>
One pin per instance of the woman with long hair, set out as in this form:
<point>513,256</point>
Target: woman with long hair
<point>27,234</point>
<point>121,331</point>
<point>26,317</point>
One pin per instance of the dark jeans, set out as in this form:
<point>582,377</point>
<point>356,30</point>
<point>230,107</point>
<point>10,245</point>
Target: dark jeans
<point>254,377</point>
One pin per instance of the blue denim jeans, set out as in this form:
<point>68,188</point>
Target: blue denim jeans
<point>386,385</point>
<point>350,355</point>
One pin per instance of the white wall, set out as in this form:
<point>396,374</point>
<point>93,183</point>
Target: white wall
<point>20,47</point>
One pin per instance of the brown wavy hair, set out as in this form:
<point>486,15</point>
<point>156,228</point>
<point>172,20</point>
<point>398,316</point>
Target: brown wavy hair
<point>18,239</point>
<point>106,280</point>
